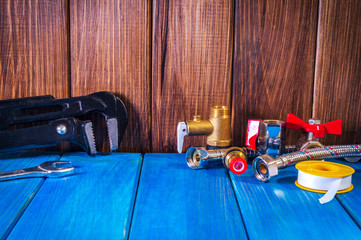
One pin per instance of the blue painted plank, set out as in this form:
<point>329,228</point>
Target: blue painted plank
<point>17,194</point>
<point>351,201</point>
<point>177,202</point>
<point>95,203</point>
<point>280,210</point>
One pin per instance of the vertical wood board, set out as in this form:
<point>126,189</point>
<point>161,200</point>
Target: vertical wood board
<point>338,64</point>
<point>110,50</point>
<point>191,65</point>
<point>33,49</point>
<point>273,65</point>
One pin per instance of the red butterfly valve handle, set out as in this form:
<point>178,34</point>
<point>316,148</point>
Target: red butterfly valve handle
<point>318,130</point>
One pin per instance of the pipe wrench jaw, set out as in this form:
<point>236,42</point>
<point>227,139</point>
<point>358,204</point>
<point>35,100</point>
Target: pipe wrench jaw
<point>72,130</point>
<point>85,137</point>
<point>116,117</point>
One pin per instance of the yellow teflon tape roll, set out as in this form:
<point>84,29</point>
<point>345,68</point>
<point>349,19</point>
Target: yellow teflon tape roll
<point>324,177</point>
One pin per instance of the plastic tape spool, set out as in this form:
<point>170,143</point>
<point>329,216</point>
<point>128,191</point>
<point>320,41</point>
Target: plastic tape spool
<point>324,177</point>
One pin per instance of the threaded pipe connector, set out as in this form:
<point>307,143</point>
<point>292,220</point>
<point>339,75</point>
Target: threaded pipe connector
<point>265,167</point>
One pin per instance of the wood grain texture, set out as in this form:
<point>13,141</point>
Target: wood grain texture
<point>16,195</point>
<point>110,50</point>
<point>95,203</point>
<point>273,66</point>
<point>191,58</point>
<point>33,49</point>
<point>177,202</point>
<point>279,209</point>
<point>338,64</point>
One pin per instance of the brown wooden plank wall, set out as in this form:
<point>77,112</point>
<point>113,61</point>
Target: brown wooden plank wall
<point>169,60</point>
<point>110,51</point>
<point>274,58</point>
<point>192,43</point>
<point>33,48</point>
<point>338,68</point>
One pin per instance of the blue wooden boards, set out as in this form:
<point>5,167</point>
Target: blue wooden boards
<point>352,200</point>
<point>95,203</point>
<point>177,202</point>
<point>280,210</point>
<point>117,196</point>
<point>17,194</point>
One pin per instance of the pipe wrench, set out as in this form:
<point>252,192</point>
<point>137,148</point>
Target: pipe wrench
<point>57,120</point>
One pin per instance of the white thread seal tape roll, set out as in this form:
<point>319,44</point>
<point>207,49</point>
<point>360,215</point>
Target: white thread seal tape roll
<point>324,177</point>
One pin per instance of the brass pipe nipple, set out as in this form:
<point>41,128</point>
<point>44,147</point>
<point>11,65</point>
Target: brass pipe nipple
<point>196,118</point>
<point>220,111</point>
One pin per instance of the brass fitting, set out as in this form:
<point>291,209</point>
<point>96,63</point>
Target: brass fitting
<point>235,159</point>
<point>217,128</point>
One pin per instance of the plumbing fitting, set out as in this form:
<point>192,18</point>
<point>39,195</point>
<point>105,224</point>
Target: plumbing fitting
<point>217,129</point>
<point>265,166</point>
<point>233,159</point>
<point>268,136</point>
<point>314,129</point>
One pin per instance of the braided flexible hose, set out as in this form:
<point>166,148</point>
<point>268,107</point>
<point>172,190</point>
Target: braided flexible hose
<point>265,166</point>
<point>337,151</point>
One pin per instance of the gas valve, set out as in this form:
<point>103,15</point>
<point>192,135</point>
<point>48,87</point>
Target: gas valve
<point>217,129</point>
<point>268,136</point>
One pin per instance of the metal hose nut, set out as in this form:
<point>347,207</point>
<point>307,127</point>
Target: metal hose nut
<point>200,157</point>
<point>265,167</point>
<point>233,159</point>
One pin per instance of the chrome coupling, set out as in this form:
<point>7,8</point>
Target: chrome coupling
<point>200,157</point>
<point>264,167</point>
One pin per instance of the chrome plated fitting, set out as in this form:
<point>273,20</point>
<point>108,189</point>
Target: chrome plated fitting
<point>200,157</point>
<point>264,167</point>
<point>266,136</point>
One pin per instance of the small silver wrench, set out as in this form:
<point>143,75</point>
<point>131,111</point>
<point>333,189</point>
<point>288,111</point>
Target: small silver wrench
<point>46,169</point>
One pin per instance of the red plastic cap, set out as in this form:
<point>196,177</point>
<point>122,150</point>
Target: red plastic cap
<point>252,133</point>
<point>319,130</point>
<point>238,166</point>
